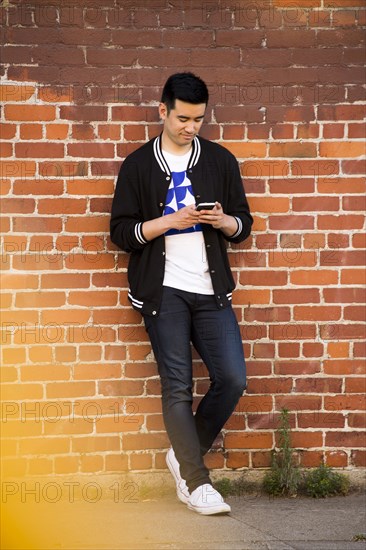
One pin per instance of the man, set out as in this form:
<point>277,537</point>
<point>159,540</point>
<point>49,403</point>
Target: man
<point>180,278</point>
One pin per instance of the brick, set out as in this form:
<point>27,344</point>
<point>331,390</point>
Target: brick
<point>31,131</point>
<point>292,258</point>
<point>22,168</point>
<point>354,313</point>
<point>246,150</point>
<point>135,114</point>
<point>353,167</point>
<point>338,349</point>
<point>141,461</point>
<point>342,332</point>
<point>358,458</point>
<point>114,56</point>
<point>97,186</point>
<point>339,222</point>
<point>29,112</point>
<point>240,440</point>
<point>344,439</point>
<point>93,224</point>
<point>39,150</point>
<point>254,404</point>
<point>16,92</point>
<point>320,313</point>
<point>315,168</point>
<point>354,203</point>
<point>292,186</point>
<point>331,131</point>
<point>251,296</point>
<point>355,385</point>
<point>323,277</point>
<point>303,440</point>
<point>359,240</point>
<point>297,150</point>
<point>288,349</point>
<point>56,94</point>
<point>312,349</point>
<point>298,403</point>
<point>296,296</point>
<point>40,299</point>
<point>145,441</point>
<point>344,402</point>
<point>83,132</point>
<point>21,206</point>
<point>255,131</point>
<point>120,388</point>
<point>261,459</point>
<point>247,114</point>
<point>119,423</point>
<point>318,385</point>
<point>356,130</point>
<point>267,314</point>
<point>264,169</point>
<point>86,150</point>
<point>307,131</point>
<point>353,185</point>
<point>314,204</point>
<point>282,223</point>
<point>239,38</point>
<point>109,132</point>
<point>116,462</point>
<point>83,113</point>
<point>237,460</point>
<point>359,349</point>
<point>296,367</point>
<point>70,389</point>
<point>356,420</point>
<point>341,149</point>
<point>93,444</point>
<point>269,386</point>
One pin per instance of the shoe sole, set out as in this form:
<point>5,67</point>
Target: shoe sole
<point>209,511</point>
<point>180,495</point>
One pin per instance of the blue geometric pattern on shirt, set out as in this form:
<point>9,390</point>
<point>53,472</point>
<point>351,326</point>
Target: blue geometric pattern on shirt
<point>179,195</point>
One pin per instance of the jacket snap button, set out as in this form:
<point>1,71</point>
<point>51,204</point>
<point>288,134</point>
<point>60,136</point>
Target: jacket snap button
<point>212,271</point>
<point>154,312</point>
<point>167,178</point>
<point>161,204</point>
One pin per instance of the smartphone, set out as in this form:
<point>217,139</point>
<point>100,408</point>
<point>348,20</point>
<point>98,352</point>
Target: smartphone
<point>205,206</point>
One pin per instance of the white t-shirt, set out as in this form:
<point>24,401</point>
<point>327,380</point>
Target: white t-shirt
<point>186,265</point>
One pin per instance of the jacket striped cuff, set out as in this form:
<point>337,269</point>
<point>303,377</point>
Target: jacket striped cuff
<point>239,229</point>
<point>139,234</point>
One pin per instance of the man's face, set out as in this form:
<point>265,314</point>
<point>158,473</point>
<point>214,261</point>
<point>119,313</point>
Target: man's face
<point>182,123</point>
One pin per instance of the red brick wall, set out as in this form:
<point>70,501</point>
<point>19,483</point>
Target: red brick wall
<point>81,82</point>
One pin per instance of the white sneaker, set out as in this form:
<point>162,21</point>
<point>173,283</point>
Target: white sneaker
<point>207,501</point>
<point>173,465</point>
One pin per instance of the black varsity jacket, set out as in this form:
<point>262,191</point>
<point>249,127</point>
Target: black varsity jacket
<point>140,194</point>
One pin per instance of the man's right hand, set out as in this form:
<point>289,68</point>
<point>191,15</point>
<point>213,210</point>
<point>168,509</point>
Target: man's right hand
<point>186,217</point>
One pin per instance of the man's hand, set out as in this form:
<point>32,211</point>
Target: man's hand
<point>216,217</point>
<point>186,217</point>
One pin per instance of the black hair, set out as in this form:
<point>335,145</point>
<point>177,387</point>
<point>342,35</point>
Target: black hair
<point>186,87</point>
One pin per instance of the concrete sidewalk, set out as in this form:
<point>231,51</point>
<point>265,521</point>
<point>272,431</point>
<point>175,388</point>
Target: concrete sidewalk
<point>255,523</point>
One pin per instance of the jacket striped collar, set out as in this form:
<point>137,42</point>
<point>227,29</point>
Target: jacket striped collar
<point>195,155</point>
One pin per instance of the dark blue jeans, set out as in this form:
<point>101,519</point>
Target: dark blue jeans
<point>186,317</point>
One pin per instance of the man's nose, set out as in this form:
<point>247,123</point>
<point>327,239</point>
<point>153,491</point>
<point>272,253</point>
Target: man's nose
<point>190,127</point>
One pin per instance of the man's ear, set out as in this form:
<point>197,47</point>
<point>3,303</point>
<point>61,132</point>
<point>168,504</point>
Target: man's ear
<point>163,111</point>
